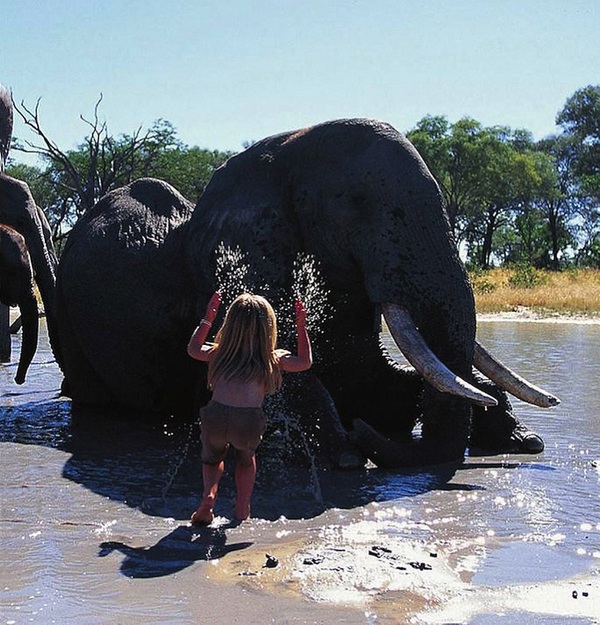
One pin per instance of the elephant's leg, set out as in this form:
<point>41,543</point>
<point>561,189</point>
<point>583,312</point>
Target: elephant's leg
<point>308,406</point>
<point>445,432</point>
<point>384,401</point>
<point>497,429</point>
<point>366,383</point>
<point>81,382</point>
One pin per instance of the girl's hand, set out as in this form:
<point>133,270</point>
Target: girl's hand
<point>300,313</point>
<point>213,307</point>
<point>303,360</point>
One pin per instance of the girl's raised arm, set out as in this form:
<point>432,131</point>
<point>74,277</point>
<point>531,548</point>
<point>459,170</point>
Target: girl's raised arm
<point>197,348</point>
<point>303,360</point>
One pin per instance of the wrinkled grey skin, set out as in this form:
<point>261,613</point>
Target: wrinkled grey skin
<point>355,195</point>
<point>19,211</point>
<point>17,289</point>
<point>124,303</point>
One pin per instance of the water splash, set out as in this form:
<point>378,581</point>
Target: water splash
<point>309,285</point>
<point>233,274</point>
<point>177,461</point>
<point>289,441</point>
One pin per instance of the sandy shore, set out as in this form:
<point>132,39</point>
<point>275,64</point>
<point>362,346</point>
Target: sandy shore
<point>523,314</point>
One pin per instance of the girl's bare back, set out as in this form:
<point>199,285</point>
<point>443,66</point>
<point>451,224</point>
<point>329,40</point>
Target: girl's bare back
<point>239,393</point>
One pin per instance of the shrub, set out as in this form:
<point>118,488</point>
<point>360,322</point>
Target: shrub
<point>526,277</point>
<point>482,285</point>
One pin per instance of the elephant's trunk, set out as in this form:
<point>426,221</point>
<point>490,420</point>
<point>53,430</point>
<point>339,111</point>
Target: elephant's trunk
<point>30,318</point>
<point>415,349</point>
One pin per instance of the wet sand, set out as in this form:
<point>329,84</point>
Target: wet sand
<point>94,530</point>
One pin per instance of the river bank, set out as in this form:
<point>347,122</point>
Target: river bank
<point>524,314</point>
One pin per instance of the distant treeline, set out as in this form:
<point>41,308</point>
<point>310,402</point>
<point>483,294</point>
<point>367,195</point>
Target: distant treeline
<point>510,199</point>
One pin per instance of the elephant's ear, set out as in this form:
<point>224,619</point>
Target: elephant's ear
<point>246,207</point>
<point>6,124</point>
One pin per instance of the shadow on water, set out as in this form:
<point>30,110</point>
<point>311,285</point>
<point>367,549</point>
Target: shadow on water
<point>172,553</point>
<point>156,467</point>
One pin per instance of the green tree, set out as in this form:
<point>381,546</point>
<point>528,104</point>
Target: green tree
<point>580,118</point>
<point>486,175</point>
<point>507,190</point>
<point>188,169</point>
<point>580,121</point>
<point>558,196</point>
<point>588,252</point>
<point>452,154</point>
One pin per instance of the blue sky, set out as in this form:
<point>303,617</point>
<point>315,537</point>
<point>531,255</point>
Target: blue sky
<point>229,71</point>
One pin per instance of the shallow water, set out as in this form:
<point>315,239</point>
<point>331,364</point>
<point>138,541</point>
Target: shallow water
<point>94,517</point>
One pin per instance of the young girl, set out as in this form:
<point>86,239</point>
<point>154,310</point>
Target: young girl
<point>243,366</point>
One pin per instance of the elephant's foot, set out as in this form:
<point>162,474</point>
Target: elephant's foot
<point>350,458</point>
<point>520,440</point>
<point>525,441</point>
<point>497,430</point>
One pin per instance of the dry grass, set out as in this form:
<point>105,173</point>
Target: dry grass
<point>573,292</point>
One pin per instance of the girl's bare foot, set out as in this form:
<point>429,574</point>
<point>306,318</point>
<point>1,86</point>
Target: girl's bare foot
<point>203,515</point>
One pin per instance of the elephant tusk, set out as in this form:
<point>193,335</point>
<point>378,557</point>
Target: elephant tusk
<point>417,352</point>
<point>508,380</point>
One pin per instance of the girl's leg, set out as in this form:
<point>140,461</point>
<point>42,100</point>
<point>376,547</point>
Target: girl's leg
<point>211,475</point>
<point>245,474</point>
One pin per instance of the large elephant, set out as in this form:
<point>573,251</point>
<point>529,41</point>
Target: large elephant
<point>20,213</point>
<point>355,196</point>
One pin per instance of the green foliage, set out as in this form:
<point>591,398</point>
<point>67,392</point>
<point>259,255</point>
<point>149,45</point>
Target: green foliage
<point>481,284</point>
<point>526,277</point>
<point>487,175</point>
<point>480,280</point>
<point>188,169</point>
<point>580,119</point>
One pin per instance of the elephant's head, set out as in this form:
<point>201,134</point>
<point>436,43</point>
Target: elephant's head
<point>356,195</point>
<point>17,289</point>
<point>6,124</point>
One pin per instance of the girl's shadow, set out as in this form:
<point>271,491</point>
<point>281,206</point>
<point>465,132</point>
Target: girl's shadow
<point>174,552</point>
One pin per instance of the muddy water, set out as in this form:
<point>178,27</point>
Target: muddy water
<point>94,517</point>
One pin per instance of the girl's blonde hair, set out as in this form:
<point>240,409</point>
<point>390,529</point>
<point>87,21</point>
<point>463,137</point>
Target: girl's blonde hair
<point>245,344</point>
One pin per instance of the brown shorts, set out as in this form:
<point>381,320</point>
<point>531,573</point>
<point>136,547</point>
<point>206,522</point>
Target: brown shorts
<point>221,426</point>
